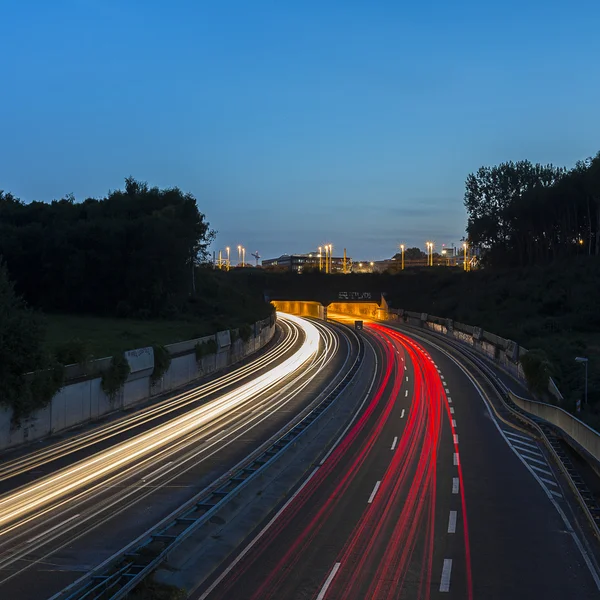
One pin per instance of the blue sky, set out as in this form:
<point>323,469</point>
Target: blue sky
<point>295,123</point>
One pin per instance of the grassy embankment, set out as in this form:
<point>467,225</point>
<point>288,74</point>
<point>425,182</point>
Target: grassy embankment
<point>224,301</point>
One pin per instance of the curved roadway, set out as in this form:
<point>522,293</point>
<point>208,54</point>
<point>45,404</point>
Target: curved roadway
<point>72,504</point>
<point>428,495</point>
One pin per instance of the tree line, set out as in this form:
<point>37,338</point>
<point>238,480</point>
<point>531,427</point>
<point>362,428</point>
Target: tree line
<point>522,214</point>
<point>132,253</point>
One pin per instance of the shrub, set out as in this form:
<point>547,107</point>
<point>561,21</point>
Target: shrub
<point>245,332</point>
<point>537,369</point>
<point>115,376</point>
<point>74,351</point>
<point>162,361</point>
<point>203,349</point>
<point>39,389</point>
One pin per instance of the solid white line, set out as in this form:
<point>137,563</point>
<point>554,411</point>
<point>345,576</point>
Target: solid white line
<point>328,581</point>
<point>37,537</point>
<point>452,410</point>
<point>588,561</point>
<point>406,394</point>
<point>394,443</point>
<point>549,481</point>
<point>545,471</point>
<point>452,522</point>
<point>524,444</point>
<point>454,423</point>
<point>456,459</point>
<point>253,542</point>
<point>455,484</point>
<point>456,438</point>
<point>446,572</point>
<point>509,433</point>
<point>372,496</point>
<point>157,471</point>
<point>402,415</point>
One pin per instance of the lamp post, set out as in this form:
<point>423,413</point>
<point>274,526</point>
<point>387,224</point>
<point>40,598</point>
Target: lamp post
<point>465,263</point>
<point>243,256</point>
<point>320,260</point>
<point>326,259</point>
<point>330,259</point>
<point>228,262</point>
<point>239,254</point>
<point>402,250</point>
<point>582,359</point>
<point>430,254</point>
<point>220,260</point>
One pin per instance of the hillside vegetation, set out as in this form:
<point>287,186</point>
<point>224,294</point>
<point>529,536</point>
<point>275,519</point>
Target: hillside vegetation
<point>553,307</point>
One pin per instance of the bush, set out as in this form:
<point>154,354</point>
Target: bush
<point>38,390</point>
<point>162,361</point>
<point>203,349</point>
<point>74,351</point>
<point>245,332</point>
<point>537,369</point>
<point>115,376</point>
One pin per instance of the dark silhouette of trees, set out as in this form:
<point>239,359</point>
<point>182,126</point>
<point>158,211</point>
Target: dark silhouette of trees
<point>132,253</point>
<point>525,214</point>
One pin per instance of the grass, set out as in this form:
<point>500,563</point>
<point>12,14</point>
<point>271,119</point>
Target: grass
<point>105,336</point>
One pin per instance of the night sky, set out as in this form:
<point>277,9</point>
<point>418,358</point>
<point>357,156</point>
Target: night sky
<point>295,123</point>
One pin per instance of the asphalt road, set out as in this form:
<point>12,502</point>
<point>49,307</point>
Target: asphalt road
<point>69,506</point>
<point>426,496</point>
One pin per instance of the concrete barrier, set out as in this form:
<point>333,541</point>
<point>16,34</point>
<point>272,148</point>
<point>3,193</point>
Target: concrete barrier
<point>585,437</point>
<point>83,400</point>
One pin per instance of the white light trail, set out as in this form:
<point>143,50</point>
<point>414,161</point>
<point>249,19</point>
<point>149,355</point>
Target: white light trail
<point>48,489</point>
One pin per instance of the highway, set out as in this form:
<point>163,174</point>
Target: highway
<point>73,503</point>
<point>427,495</point>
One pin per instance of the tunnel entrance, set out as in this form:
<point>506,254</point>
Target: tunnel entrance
<point>363,305</point>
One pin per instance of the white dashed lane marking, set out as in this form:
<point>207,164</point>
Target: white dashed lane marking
<point>455,485</point>
<point>446,572</point>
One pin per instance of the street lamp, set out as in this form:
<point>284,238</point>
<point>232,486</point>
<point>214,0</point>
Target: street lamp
<point>243,256</point>
<point>239,254</point>
<point>320,260</point>
<point>228,263</point>
<point>465,263</point>
<point>581,359</point>
<point>430,254</point>
<point>330,258</point>
<point>402,249</point>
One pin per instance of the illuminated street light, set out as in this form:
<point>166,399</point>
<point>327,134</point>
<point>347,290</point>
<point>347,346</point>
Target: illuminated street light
<point>243,256</point>
<point>320,260</point>
<point>465,266</point>
<point>402,249</point>
<point>330,258</point>
<point>239,254</point>
<point>228,261</point>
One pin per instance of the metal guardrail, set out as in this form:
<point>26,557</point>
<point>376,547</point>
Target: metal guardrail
<point>119,577</point>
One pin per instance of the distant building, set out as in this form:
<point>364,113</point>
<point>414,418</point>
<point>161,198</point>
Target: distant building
<point>303,262</point>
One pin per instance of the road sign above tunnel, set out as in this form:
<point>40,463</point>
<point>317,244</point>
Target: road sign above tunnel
<point>358,297</point>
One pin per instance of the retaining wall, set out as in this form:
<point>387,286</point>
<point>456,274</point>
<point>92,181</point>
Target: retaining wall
<point>82,401</point>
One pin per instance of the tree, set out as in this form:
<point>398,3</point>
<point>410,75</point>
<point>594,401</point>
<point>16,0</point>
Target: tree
<point>21,335</point>
<point>411,254</point>
<point>137,248</point>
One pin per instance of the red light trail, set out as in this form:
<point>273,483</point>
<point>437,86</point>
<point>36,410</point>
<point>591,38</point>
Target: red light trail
<point>394,535</point>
